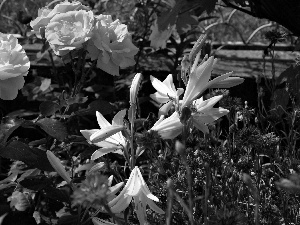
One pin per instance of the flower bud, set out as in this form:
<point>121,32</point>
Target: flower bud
<point>179,147</point>
<point>135,85</point>
<point>197,47</point>
<point>59,168</point>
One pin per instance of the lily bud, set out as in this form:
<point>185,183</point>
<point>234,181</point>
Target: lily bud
<point>105,133</point>
<point>179,147</point>
<point>59,168</point>
<point>135,85</point>
<point>197,47</point>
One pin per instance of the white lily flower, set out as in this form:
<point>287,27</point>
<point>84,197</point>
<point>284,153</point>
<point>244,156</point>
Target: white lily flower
<point>166,93</point>
<point>136,189</point>
<point>199,80</point>
<point>205,113</point>
<point>114,141</point>
<point>168,128</point>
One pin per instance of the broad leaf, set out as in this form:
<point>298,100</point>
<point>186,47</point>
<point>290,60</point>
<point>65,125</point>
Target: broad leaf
<point>48,108</point>
<point>36,183</point>
<point>34,157</point>
<point>54,128</point>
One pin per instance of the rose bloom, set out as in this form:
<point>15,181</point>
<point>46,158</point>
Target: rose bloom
<point>14,64</point>
<point>45,14</point>
<point>68,31</point>
<point>111,45</point>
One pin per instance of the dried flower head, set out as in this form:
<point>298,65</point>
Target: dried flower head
<point>275,36</point>
<point>92,191</point>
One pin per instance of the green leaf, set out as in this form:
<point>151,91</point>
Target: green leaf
<point>57,194</point>
<point>169,18</point>
<point>67,219</point>
<point>101,106</point>
<point>36,183</point>
<point>54,128</point>
<point>34,157</point>
<point>48,108</point>
<point>77,99</point>
<point>7,126</point>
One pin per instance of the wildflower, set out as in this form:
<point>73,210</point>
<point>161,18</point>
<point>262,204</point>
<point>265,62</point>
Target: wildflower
<point>166,93</point>
<point>68,31</point>
<point>168,128</point>
<point>111,45</point>
<point>109,137</point>
<point>135,189</point>
<point>14,65</point>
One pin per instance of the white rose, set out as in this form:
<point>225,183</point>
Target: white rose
<point>14,64</point>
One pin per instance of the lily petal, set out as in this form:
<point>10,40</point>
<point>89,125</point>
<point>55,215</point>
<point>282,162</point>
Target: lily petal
<point>165,109</point>
<point>88,133</point>
<point>200,126</point>
<point>102,121</point>
<point>119,118</point>
<point>105,132</point>
<point>197,81</point>
<point>161,88</point>
<point>101,152</point>
<point>207,104</point>
<point>154,207</point>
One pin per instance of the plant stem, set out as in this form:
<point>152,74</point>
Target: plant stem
<point>189,174</point>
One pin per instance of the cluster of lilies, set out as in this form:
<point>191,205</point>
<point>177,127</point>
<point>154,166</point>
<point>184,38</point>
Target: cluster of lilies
<point>110,137</point>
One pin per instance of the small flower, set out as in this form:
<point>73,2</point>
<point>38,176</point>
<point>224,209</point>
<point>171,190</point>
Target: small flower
<point>111,45</point>
<point>168,128</point>
<point>166,93</point>
<point>14,64</point>
<point>136,189</point>
<point>59,168</point>
<point>111,139</point>
<point>45,14</point>
<point>68,31</point>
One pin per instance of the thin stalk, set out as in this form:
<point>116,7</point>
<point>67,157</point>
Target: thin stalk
<point>184,206</point>
<point>133,108</point>
<point>189,174</point>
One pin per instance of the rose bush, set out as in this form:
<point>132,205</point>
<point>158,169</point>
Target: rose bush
<point>111,45</point>
<point>68,31</point>
<point>14,64</point>
<point>45,14</point>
